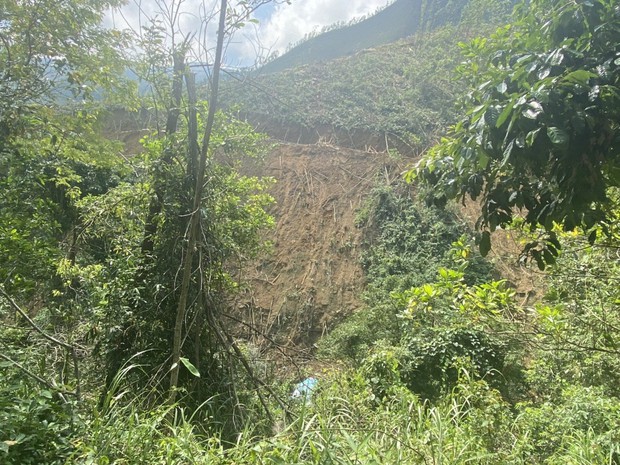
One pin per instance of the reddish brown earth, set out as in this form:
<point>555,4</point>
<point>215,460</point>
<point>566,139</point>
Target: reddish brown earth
<point>312,278</point>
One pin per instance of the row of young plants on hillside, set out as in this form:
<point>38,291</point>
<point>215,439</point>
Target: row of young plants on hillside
<point>380,84</point>
<point>404,90</point>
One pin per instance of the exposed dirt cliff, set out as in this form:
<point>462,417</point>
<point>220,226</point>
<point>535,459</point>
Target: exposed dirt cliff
<point>312,278</point>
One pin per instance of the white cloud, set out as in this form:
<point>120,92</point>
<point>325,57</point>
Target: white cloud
<point>288,24</point>
<point>280,24</point>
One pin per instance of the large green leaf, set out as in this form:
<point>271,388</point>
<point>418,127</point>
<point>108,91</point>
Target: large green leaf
<point>558,136</point>
<point>191,368</point>
<point>506,112</point>
<point>581,76</point>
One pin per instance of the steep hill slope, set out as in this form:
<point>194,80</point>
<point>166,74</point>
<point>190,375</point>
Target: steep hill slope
<point>400,19</point>
<point>313,277</point>
<point>399,95</point>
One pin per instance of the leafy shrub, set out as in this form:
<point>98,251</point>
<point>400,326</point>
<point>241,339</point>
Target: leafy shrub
<point>382,370</point>
<point>36,426</point>
<point>449,320</point>
<point>431,368</point>
<point>406,244</point>
<point>552,430</point>
<point>578,322</point>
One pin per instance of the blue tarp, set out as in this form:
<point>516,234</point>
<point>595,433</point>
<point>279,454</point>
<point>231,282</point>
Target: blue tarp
<point>305,388</point>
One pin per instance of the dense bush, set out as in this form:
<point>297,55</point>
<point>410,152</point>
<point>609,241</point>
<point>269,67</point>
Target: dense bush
<point>346,422</point>
<point>406,244</point>
<point>431,368</point>
<point>36,425</point>
<point>581,421</point>
<point>579,320</point>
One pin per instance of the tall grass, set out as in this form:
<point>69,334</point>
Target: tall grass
<point>124,430</point>
<point>344,424</point>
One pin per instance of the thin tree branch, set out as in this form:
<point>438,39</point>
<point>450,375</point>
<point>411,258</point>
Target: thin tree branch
<point>194,228</point>
<point>228,341</point>
<point>36,377</point>
<point>279,347</point>
<point>47,336</point>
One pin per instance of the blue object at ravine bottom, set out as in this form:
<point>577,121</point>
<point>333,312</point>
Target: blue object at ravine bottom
<point>305,388</point>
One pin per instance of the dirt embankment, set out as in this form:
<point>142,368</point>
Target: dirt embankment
<point>358,139</point>
<point>312,278</point>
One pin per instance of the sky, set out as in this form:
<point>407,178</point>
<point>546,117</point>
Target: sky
<point>286,24</point>
<point>280,24</point>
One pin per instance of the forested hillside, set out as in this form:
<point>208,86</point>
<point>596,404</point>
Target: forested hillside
<point>402,94</point>
<point>398,20</point>
<point>407,255</point>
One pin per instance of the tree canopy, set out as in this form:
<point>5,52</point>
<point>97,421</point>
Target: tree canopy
<point>93,234</point>
<point>53,57</point>
<point>51,49</point>
<point>540,135</point>
<point>145,318</point>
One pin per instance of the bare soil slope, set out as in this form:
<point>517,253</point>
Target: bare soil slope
<point>312,278</point>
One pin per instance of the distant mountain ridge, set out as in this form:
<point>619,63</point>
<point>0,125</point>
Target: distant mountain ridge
<point>398,20</point>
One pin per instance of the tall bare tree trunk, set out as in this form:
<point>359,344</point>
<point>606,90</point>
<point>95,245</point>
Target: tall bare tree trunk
<point>195,216</point>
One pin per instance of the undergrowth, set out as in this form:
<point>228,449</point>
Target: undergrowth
<point>345,423</point>
<point>406,243</point>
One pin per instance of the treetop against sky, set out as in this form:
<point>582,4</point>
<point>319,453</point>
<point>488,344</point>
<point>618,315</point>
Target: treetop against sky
<point>279,24</point>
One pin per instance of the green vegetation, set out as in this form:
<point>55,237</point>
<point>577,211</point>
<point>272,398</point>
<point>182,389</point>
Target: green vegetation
<point>322,94</point>
<point>406,244</point>
<point>403,91</point>
<point>525,385</point>
<point>540,133</point>
<point>116,270</point>
<point>346,425</point>
<point>106,257</point>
